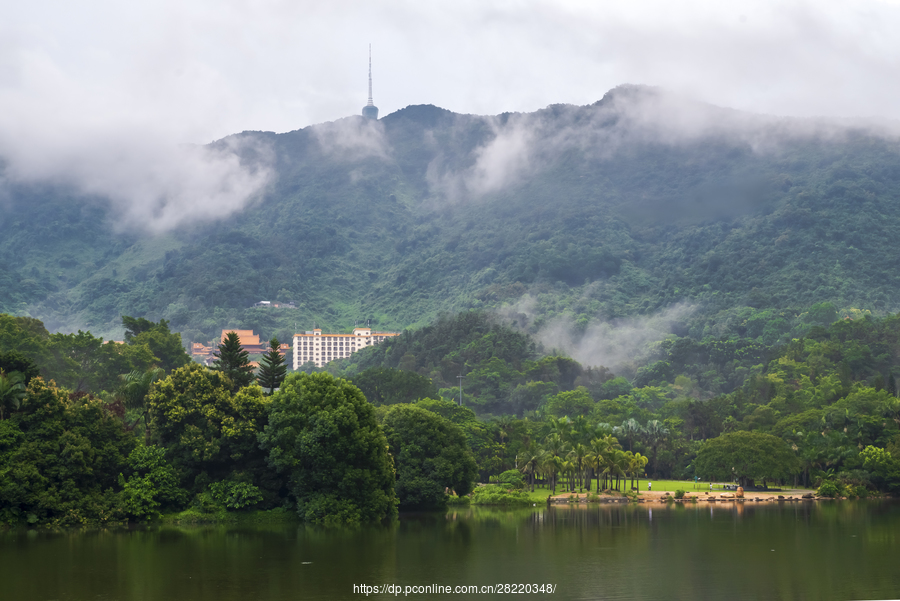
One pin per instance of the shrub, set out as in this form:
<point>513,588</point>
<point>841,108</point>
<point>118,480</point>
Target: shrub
<point>679,494</point>
<point>454,501</point>
<point>512,479</point>
<point>235,495</point>
<point>152,484</point>
<point>830,488</point>
<point>494,494</point>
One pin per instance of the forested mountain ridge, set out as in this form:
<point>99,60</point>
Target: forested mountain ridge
<point>625,207</point>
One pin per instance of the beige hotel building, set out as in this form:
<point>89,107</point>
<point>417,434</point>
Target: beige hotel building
<point>321,348</point>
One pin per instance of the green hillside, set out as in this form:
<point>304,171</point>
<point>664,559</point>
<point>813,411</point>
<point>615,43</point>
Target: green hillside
<point>623,208</point>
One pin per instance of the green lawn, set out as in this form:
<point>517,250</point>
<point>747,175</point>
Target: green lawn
<point>540,494</point>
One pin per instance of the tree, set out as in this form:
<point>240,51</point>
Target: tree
<point>84,363</point>
<point>884,468</point>
<point>12,391</point>
<point>271,367</point>
<point>13,361</point>
<point>323,437</point>
<point>531,457</point>
<point>389,386</point>
<point>569,403</point>
<point>165,345</point>
<point>135,388</point>
<point>151,484</point>
<point>747,456</point>
<point>25,336</point>
<point>636,467</point>
<point>430,455</point>
<point>209,433</point>
<point>600,456</point>
<point>578,454</point>
<point>656,432</point>
<point>60,456</point>
<point>233,361</point>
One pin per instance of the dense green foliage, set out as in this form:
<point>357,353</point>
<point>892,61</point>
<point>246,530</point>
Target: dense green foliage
<point>388,386</point>
<point>60,457</point>
<point>502,369</point>
<point>824,396</point>
<point>165,345</point>
<point>82,362</point>
<point>747,456</point>
<point>151,485</point>
<point>601,215</point>
<point>430,456</point>
<point>323,437</point>
<point>209,433</point>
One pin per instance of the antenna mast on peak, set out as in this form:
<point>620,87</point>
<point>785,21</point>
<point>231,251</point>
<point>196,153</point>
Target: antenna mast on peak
<point>370,111</point>
<point>370,77</point>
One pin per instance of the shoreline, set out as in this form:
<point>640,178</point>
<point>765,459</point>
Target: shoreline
<point>666,497</point>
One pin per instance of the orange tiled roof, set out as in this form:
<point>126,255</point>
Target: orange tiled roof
<point>247,337</point>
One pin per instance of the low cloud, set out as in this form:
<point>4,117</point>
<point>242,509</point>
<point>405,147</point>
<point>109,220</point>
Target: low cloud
<point>352,139</point>
<point>617,344</point>
<point>504,158</point>
<point>152,187</point>
<point>626,118</point>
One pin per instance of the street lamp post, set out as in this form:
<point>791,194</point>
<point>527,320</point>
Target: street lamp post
<point>460,378</point>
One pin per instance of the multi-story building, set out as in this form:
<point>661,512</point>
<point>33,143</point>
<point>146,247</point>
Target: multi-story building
<point>321,348</point>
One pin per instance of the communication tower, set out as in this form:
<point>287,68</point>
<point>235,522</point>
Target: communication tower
<point>370,111</point>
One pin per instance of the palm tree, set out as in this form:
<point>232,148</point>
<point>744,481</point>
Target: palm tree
<point>630,429</point>
<point>505,427</point>
<point>567,467</point>
<point>619,463</point>
<point>552,465</point>
<point>12,391</point>
<point>581,430</point>
<point>532,455</point>
<point>577,454</point>
<point>656,433</point>
<point>554,447</point>
<point>561,426</point>
<point>636,467</point>
<point>597,458</point>
<point>135,388</point>
<point>602,449</point>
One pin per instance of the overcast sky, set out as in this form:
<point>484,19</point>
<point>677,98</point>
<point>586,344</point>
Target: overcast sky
<point>201,70</point>
<point>83,84</point>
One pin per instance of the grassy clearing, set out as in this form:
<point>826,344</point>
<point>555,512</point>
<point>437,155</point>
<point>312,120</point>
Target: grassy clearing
<point>540,494</point>
<point>689,487</point>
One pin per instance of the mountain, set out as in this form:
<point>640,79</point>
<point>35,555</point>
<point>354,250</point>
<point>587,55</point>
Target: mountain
<point>642,204</point>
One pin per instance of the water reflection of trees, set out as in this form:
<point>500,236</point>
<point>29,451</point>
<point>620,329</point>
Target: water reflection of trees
<point>828,550</point>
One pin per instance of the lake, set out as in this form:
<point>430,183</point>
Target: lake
<point>809,550</point>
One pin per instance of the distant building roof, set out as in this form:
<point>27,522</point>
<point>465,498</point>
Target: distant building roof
<point>247,337</point>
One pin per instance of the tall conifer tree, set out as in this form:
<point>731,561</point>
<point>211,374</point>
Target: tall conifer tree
<point>271,367</point>
<point>234,361</point>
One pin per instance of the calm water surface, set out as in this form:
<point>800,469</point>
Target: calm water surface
<point>825,550</point>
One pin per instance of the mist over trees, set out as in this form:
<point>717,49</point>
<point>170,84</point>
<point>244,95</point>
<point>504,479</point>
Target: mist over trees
<point>819,412</point>
<point>639,205</point>
<point>644,286</point>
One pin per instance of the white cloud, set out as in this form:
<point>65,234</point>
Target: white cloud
<point>618,344</point>
<point>502,159</point>
<point>88,87</point>
<point>352,139</point>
